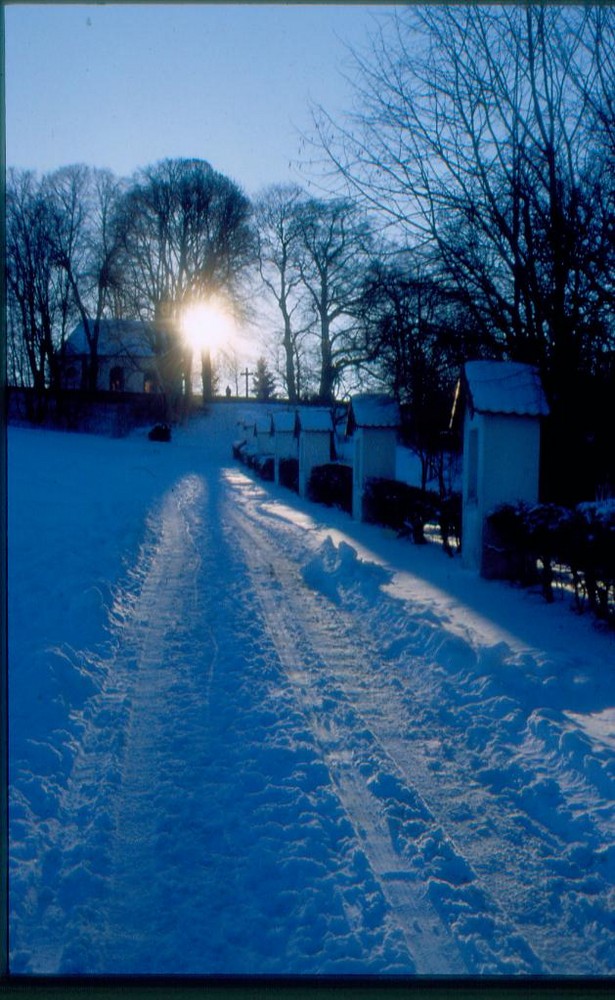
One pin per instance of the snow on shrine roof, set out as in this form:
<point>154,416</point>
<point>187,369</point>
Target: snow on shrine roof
<point>314,419</point>
<point>246,420</point>
<point>372,410</point>
<point>263,424</point>
<point>284,421</point>
<point>116,336</point>
<point>505,387</point>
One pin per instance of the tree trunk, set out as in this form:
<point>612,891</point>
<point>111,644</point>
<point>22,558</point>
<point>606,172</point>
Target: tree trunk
<point>327,372</point>
<point>206,375</point>
<point>289,349</point>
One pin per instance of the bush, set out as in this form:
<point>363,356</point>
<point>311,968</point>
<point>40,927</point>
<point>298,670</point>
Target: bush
<point>261,464</point>
<point>239,450</point>
<point>545,525</point>
<point>590,551</point>
<point>331,484</point>
<point>579,541</point>
<point>264,466</point>
<point>449,519</point>
<point>161,432</point>
<point>289,473</point>
<point>406,509</point>
<point>506,552</point>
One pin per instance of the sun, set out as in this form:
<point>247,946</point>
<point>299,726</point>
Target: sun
<point>208,326</point>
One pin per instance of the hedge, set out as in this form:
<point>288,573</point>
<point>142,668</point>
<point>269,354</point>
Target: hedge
<point>574,544</point>
<point>262,464</point>
<point>289,473</point>
<point>408,509</point>
<point>331,484</point>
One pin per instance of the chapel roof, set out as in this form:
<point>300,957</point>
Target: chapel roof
<point>116,337</point>
<point>373,410</point>
<point>283,421</point>
<point>507,387</point>
<point>312,418</point>
<point>263,424</point>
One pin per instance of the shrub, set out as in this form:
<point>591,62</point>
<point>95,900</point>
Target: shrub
<point>331,484</point>
<point>261,464</point>
<point>264,466</point>
<point>406,509</point>
<point>508,523</point>
<point>449,520</point>
<point>545,525</point>
<point>161,432</point>
<point>591,554</point>
<point>580,540</point>
<point>239,450</point>
<point>289,473</point>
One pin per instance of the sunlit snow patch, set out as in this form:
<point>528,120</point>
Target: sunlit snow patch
<point>600,726</point>
<point>290,514</point>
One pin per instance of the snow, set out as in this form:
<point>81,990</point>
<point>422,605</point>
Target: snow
<point>505,387</point>
<point>284,421</point>
<point>131,337</point>
<point>263,424</point>
<point>314,419</point>
<point>249,735</point>
<point>373,410</point>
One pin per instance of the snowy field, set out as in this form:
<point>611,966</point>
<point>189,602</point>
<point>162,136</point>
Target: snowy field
<point>249,735</point>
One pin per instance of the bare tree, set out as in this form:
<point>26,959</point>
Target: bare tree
<point>278,237</point>
<point>334,249</point>
<point>85,246</point>
<point>417,334</point>
<point>485,135</point>
<point>186,235</point>
<point>37,296</point>
<point>471,136</point>
<point>230,366</point>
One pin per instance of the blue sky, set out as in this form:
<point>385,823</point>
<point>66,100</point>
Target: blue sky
<point>122,86</point>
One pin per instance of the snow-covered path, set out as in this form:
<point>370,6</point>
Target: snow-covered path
<point>298,758</point>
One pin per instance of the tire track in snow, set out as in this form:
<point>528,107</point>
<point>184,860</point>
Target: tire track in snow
<point>460,734</point>
<point>207,807</point>
<point>421,743</point>
<point>344,742</point>
<point>162,669</point>
<point>326,663</point>
<point>516,844</point>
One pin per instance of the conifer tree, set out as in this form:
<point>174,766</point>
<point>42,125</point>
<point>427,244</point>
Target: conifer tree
<point>263,382</point>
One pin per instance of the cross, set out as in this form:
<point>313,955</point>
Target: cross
<point>246,375</point>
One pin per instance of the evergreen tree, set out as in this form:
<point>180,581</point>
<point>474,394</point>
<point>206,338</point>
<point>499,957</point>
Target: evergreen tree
<point>263,382</point>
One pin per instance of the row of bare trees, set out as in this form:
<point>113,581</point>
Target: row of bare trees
<point>469,212</point>
<point>313,256</point>
<point>364,306</point>
<point>84,245</point>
